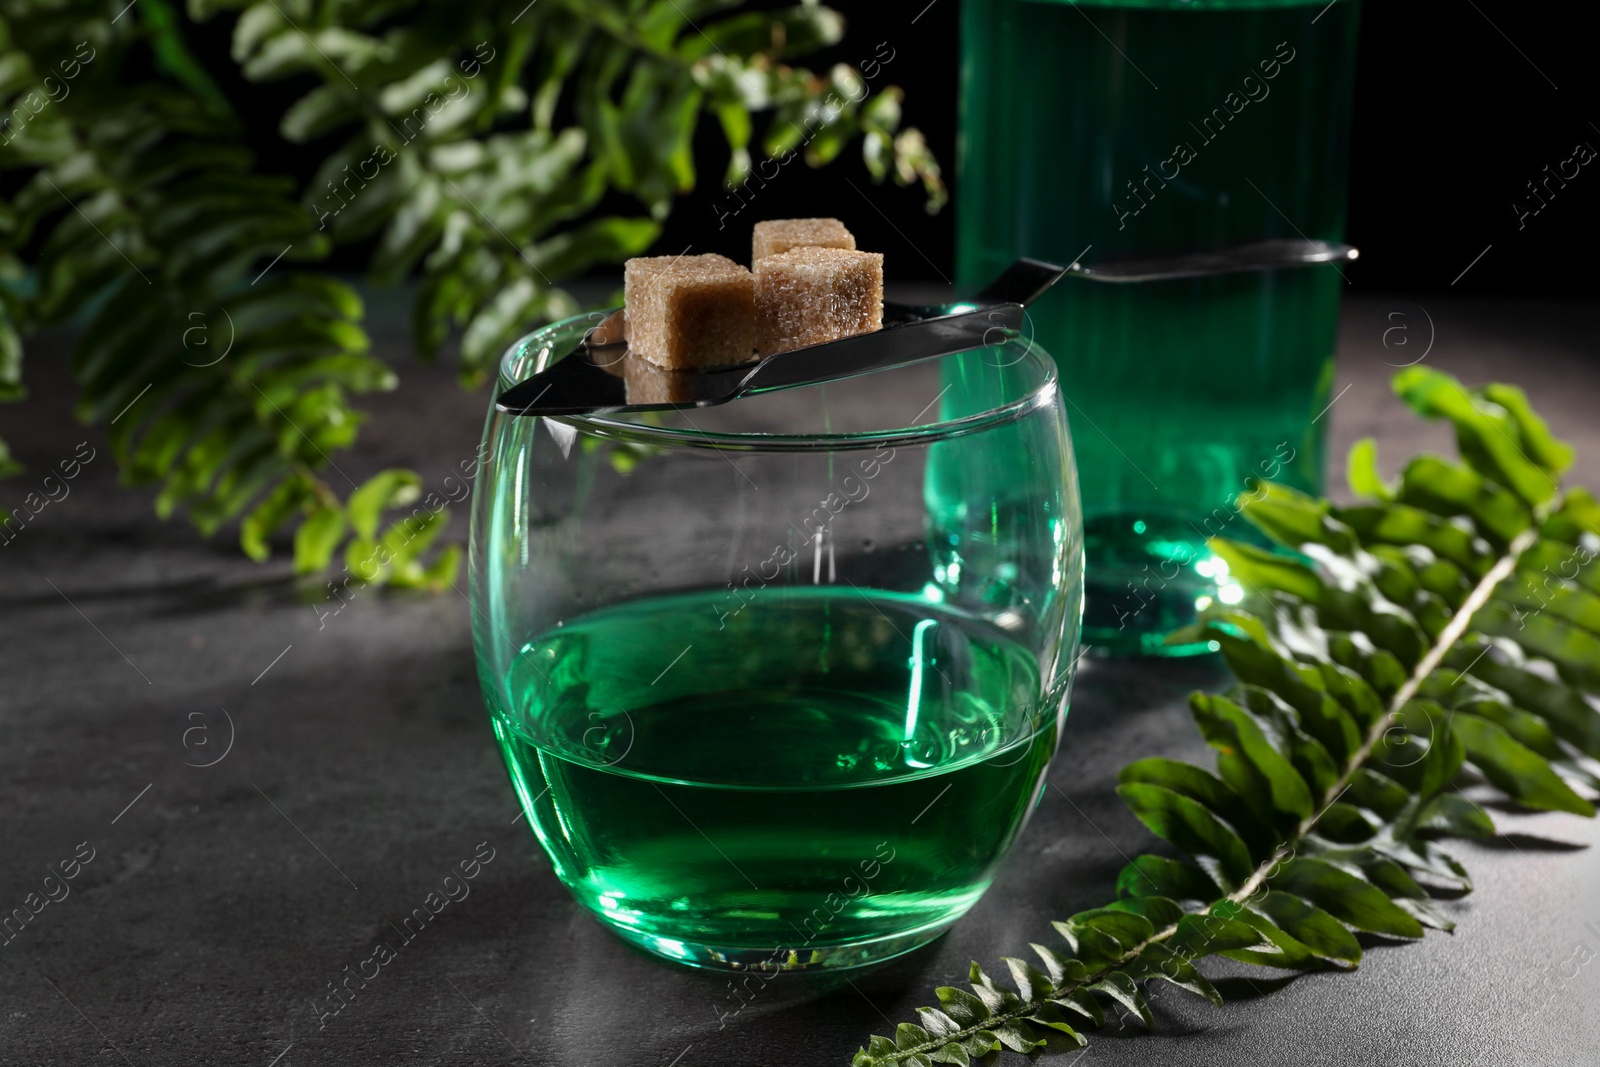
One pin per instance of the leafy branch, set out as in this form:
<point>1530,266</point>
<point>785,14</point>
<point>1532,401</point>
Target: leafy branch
<point>494,152</point>
<point>142,206</point>
<point>1446,631</point>
<point>493,210</point>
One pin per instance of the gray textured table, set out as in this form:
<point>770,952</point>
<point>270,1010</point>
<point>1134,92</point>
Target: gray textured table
<point>222,901</point>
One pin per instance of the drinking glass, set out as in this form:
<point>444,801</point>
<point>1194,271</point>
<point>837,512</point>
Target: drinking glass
<point>1103,129</point>
<point>772,691</point>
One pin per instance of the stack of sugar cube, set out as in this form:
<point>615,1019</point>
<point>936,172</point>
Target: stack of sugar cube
<point>809,285</point>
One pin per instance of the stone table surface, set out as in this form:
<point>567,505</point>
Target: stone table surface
<point>221,902</point>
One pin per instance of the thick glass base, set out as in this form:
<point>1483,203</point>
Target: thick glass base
<point>1149,575</point>
<point>775,959</point>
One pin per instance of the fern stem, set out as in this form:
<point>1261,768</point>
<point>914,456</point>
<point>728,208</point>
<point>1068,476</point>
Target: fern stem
<point>1503,568</point>
<point>1453,631</point>
<point>1035,1004</point>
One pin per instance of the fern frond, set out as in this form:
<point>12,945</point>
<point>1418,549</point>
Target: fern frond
<point>491,188</point>
<point>224,375</point>
<point>1452,622</point>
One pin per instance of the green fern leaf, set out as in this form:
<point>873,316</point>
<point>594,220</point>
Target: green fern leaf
<point>1383,649</point>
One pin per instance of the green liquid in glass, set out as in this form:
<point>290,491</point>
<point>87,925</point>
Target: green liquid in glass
<point>1110,127</point>
<point>828,771</point>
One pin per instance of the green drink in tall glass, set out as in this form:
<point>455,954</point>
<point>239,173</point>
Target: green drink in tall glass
<point>1115,128</point>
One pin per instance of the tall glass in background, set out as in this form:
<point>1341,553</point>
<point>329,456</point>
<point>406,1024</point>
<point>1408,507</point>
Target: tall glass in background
<point>1117,128</point>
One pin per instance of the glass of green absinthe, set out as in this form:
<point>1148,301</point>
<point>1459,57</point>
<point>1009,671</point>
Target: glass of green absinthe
<point>774,690</point>
<point>1105,130</point>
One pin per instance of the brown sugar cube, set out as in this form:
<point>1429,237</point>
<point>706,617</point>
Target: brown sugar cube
<point>809,295</point>
<point>780,235</point>
<point>690,312</point>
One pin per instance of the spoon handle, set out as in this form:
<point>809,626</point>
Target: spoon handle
<point>1261,255</point>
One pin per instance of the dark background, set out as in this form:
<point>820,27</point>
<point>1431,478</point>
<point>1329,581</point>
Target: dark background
<point>1457,106</point>
<point>1450,122</point>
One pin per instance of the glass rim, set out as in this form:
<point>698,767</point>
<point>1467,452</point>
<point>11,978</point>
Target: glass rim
<point>1033,398</point>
